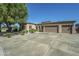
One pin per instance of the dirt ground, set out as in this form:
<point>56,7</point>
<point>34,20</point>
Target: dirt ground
<point>40,44</point>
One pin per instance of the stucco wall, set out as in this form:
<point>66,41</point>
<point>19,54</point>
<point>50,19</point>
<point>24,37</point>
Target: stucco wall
<point>30,26</point>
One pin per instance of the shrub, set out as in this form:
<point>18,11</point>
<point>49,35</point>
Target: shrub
<point>23,32</point>
<point>26,31</point>
<point>32,30</point>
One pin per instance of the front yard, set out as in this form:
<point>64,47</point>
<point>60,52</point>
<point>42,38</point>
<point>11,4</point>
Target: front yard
<point>40,44</point>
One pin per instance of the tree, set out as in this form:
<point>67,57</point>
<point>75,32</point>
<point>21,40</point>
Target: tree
<point>22,13</point>
<point>11,13</point>
<point>2,8</point>
<point>1,20</point>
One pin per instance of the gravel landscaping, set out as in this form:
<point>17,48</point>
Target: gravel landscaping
<point>40,44</point>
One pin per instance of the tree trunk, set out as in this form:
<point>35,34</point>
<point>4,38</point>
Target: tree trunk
<point>9,27</point>
<point>0,27</point>
<point>21,26</point>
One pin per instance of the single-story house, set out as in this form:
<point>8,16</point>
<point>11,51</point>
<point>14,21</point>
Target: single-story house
<point>57,27</point>
<point>77,28</point>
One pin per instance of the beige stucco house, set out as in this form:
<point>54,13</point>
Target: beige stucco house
<point>57,27</point>
<point>29,26</point>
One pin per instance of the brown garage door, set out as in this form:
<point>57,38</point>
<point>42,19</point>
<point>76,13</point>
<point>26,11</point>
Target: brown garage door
<point>51,29</point>
<point>66,29</point>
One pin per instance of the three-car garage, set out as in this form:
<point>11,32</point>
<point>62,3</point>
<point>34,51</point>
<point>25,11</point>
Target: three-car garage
<point>58,27</point>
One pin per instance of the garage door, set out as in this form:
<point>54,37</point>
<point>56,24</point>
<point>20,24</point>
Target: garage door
<point>51,29</point>
<point>66,29</point>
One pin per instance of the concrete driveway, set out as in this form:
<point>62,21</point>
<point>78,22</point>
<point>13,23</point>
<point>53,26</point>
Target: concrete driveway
<point>40,44</point>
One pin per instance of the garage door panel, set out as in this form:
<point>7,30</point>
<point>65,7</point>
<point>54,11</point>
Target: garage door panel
<point>66,29</point>
<point>51,29</point>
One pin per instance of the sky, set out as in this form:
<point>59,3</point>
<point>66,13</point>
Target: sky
<point>40,12</point>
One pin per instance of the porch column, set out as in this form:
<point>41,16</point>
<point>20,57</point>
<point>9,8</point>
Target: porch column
<point>43,28</point>
<point>28,28</point>
<point>38,28</point>
<point>73,28</point>
<point>60,29</point>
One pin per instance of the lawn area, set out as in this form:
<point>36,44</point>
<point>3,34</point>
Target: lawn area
<point>4,29</point>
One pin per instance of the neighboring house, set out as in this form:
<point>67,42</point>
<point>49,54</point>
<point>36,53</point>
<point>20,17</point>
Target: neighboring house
<point>77,28</point>
<point>57,27</point>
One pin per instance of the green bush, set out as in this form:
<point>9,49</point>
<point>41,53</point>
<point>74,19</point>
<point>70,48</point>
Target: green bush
<point>26,31</point>
<point>23,32</point>
<point>32,30</point>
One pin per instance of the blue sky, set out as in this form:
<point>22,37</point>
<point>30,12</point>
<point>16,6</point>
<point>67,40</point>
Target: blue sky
<point>52,12</point>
